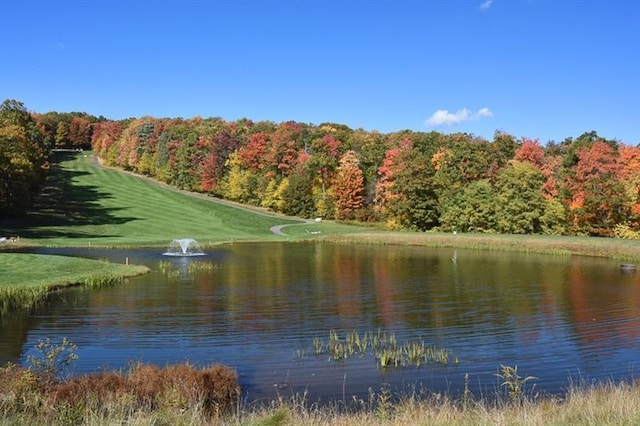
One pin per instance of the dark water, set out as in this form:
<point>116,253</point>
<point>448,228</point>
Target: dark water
<point>256,306</point>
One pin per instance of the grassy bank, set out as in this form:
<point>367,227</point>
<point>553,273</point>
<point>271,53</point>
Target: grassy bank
<point>26,279</point>
<point>543,244</point>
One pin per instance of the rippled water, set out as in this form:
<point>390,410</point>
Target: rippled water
<point>255,307</point>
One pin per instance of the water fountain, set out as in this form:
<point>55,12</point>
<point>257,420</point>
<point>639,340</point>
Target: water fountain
<point>184,247</point>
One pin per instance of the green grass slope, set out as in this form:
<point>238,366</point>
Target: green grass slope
<point>85,204</point>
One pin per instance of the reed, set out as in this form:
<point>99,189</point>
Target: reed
<point>171,270</point>
<point>382,346</point>
<point>102,280</point>
<point>13,298</point>
<point>198,266</point>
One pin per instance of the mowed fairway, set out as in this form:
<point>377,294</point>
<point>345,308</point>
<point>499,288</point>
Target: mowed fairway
<point>85,204</point>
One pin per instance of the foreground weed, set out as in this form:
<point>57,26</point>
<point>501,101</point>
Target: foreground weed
<point>383,403</point>
<point>52,359</point>
<point>513,382</point>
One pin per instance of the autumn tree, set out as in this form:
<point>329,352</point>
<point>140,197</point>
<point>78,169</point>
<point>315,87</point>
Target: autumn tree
<point>629,176</point>
<point>322,165</point>
<point>23,158</point>
<point>104,140</point>
<point>550,165</point>
<point>348,187</point>
<point>406,190</point>
<point>387,172</point>
<point>223,144</point>
<point>371,148</point>
<point>461,160</point>
<point>80,132</point>
<point>239,184</point>
<point>598,199</point>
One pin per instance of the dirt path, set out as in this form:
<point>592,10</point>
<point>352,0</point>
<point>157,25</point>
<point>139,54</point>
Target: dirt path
<point>278,228</point>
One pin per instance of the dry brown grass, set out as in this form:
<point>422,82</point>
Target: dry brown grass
<point>184,395</point>
<point>206,393</point>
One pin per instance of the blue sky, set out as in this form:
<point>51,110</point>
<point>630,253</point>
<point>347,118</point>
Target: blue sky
<point>545,69</point>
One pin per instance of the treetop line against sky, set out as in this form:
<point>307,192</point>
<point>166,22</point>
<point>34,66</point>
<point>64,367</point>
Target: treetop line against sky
<point>544,69</point>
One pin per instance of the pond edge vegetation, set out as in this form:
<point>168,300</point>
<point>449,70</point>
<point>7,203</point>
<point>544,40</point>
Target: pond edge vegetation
<point>183,394</point>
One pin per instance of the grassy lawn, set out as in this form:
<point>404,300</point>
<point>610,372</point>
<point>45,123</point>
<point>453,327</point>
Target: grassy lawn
<point>26,279</point>
<point>88,205</point>
<point>35,270</point>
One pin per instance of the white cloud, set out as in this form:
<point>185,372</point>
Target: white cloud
<point>442,117</point>
<point>485,5</point>
<point>484,112</point>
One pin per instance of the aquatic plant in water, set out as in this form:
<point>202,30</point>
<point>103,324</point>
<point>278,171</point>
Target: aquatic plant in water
<point>383,346</point>
<point>171,270</point>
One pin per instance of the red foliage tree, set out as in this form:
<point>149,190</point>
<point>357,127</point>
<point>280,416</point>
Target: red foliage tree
<point>530,151</point>
<point>598,199</point>
<point>80,131</point>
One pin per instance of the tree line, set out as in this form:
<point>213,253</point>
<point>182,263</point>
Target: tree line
<point>407,180</point>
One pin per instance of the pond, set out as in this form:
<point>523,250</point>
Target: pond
<point>258,308</point>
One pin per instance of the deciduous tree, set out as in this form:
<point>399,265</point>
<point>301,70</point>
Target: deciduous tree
<point>348,187</point>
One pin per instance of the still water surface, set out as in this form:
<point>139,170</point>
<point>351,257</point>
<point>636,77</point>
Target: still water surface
<point>256,307</point>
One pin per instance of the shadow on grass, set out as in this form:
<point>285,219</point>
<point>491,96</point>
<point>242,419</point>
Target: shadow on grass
<point>62,206</point>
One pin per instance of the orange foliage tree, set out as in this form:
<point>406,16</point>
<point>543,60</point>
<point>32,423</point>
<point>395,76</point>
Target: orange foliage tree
<point>348,187</point>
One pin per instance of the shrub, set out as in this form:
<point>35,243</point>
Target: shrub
<point>90,389</point>
<point>20,390</point>
<point>215,389</point>
<point>625,232</point>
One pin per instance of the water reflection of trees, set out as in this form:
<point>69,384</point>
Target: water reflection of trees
<point>395,287</point>
<point>313,287</point>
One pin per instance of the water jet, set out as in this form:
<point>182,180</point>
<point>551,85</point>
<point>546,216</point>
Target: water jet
<point>184,247</point>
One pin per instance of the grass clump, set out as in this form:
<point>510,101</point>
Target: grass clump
<point>383,346</point>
